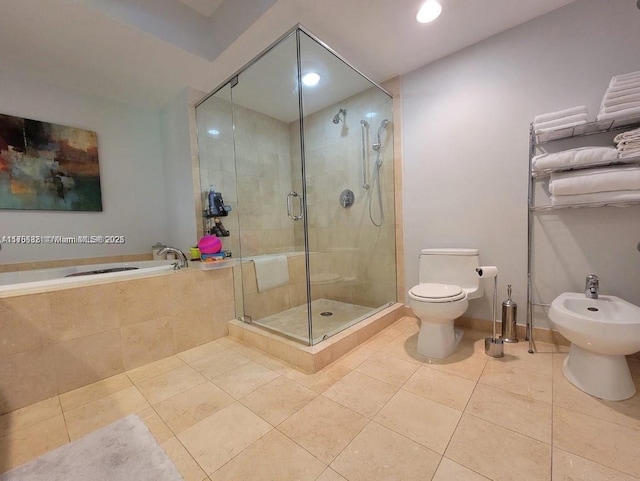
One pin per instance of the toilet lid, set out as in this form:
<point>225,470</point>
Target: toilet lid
<point>438,292</point>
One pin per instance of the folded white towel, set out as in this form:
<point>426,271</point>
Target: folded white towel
<point>589,181</point>
<point>597,198</point>
<point>624,76</point>
<point>271,271</point>
<point>622,79</point>
<point>620,114</point>
<point>558,123</point>
<point>622,86</point>
<point>617,108</point>
<point>627,141</point>
<point>575,158</point>
<point>560,114</point>
<point>616,94</point>
<point>629,134</point>
<point>630,154</point>
<point>627,145</point>
<point>623,99</point>
<point>563,126</point>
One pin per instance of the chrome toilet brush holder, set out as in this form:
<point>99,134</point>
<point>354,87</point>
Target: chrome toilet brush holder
<point>493,346</point>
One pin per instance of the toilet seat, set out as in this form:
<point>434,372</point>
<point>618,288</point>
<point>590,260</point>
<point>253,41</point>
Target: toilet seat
<point>437,293</point>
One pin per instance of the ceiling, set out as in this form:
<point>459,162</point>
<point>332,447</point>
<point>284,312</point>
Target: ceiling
<point>144,52</point>
<point>203,7</point>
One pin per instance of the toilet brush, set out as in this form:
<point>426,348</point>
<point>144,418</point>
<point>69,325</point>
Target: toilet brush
<point>493,346</point>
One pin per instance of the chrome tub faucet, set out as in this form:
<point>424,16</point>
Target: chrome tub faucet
<point>182,258</point>
<point>592,286</point>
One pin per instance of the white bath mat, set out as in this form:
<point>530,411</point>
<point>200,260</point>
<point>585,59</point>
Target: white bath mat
<point>122,451</point>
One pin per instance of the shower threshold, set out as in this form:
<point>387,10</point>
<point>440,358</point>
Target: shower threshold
<point>329,317</point>
<point>313,358</point>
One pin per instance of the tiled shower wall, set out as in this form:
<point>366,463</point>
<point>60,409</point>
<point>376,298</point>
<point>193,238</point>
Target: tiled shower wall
<point>255,183</point>
<point>347,243</point>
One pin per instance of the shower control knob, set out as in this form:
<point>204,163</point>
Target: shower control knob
<point>347,198</point>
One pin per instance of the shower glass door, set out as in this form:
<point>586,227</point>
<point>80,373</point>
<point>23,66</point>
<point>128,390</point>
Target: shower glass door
<point>306,165</point>
<point>348,175</point>
<point>266,117</point>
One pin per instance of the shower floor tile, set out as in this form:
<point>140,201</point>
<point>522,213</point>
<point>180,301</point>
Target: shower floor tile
<point>293,322</point>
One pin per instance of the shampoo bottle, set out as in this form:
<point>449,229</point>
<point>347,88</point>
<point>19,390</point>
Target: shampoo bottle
<point>211,199</point>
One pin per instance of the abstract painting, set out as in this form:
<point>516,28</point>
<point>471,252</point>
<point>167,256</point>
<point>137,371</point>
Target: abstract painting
<point>46,166</point>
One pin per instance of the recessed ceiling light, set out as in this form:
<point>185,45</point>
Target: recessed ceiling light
<point>370,115</point>
<point>429,11</point>
<point>214,132</point>
<point>310,79</point>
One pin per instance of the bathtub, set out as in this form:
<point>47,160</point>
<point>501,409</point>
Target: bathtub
<point>42,280</point>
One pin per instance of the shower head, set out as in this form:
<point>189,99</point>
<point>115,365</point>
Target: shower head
<point>336,117</point>
<point>383,126</point>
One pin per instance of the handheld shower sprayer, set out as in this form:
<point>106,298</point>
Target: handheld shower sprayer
<point>383,126</point>
<point>336,117</point>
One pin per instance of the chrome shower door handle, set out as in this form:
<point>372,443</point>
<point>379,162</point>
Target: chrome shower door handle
<point>293,217</point>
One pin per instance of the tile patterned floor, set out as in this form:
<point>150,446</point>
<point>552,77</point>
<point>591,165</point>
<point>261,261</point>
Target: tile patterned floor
<point>225,412</point>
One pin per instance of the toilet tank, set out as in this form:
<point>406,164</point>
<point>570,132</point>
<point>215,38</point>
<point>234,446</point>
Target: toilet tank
<point>452,266</point>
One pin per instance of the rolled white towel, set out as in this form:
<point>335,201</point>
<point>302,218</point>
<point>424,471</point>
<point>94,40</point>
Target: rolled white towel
<point>619,114</point>
<point>589,181</point>
<point>623,99</point>
<point>563,126</point>
<point>597,198</point>
<point>629,134</point>
<point>582,109</point>
<point>617,108</point>
<point>575,158</point>
<point>559,123</point>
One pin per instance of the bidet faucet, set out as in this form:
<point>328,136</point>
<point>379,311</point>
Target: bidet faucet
<point>592,286</point>
<point>182,258</point>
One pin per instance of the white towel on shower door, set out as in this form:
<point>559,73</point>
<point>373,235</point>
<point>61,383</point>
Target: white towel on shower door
<point>271,271</point>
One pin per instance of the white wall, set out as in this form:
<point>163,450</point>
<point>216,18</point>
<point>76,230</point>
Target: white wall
<point>131,174</point>
<point>466,123</point>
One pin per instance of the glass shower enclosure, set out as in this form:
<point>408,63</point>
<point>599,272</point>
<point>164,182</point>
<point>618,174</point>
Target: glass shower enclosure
<point>299,146</point>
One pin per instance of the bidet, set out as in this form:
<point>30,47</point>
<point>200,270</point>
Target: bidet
<point>602,331</point>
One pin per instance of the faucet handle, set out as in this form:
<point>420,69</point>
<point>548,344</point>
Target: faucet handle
<point>592,279</point>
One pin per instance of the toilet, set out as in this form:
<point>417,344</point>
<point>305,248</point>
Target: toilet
<point>448,279</point>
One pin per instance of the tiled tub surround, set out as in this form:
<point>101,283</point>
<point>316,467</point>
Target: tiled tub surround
<point>224,411</point>
<point>54,342</point>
